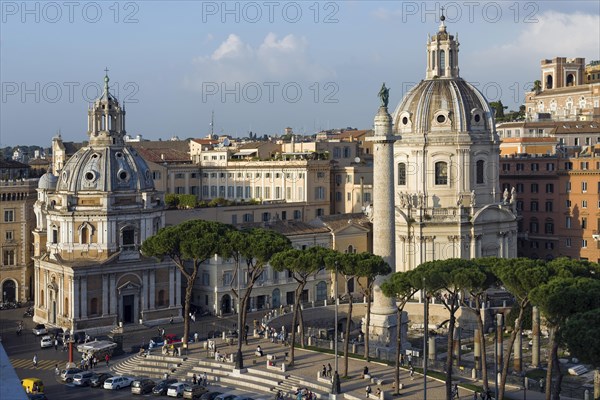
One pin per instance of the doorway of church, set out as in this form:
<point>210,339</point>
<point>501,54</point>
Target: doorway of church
<point>128,301</point>
<point>226,304</point>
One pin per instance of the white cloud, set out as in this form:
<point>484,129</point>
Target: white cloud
<point>554,35</point>
<point>275,59</point>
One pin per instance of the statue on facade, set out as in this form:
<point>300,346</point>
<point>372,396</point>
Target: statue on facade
<point>459,200</point>
<point>513,195</point>
<point>420,200</point>
<point>473,200</point>
<point>402,200</point>
<point>505,196</point>
<point>384,95</point>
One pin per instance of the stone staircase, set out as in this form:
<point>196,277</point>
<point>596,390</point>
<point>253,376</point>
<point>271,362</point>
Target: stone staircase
<point>253,379</point>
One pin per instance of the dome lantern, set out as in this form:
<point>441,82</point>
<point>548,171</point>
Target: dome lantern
<point>106,119</point>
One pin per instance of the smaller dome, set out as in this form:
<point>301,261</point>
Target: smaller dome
<point>48,181</point>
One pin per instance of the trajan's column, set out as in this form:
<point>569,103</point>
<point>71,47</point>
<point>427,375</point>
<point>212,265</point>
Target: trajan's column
<point>383,312</point>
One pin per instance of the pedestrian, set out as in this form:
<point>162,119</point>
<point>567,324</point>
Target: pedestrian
<point>166,376</point>
<point>412,373</point>
<point>456,391</point>
<point>324,371</point>
<point>55,344</point>
<point>329,370</point>
<point>196,337</point>
<point>56,370</point>
<point>194,379</point>
<point>107,359</point>
<point>378,393</point>
<point>35,360</point>
<point>542,385</point>
<point>368,391</point>
<point>205,379</point>
<point>402,360</point>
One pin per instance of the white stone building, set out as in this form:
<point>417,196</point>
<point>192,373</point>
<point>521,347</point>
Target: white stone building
<point>92,217</point>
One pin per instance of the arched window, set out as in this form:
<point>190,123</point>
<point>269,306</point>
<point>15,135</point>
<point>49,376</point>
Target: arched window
<point>94,306</point>
<point>451,58</point>
<point>480,171</point>
<point>433,60</point>
<point>549,226</point>
<point>42,298</point>
<point>442,62</point>
<point>401,174</point>
<point>161,298</point>
<point>441,173</point>
<point>128,238</point>
<point>548,81</point>
<point>351,250</point>
<point>84,235</point>
<point>570,80</point>
<point>67,306</point>
<point>321,291</point>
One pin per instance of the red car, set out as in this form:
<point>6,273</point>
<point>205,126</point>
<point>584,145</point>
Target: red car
<point>172,338</point>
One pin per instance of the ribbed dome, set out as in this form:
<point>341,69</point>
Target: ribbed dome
<point>443,104</point>
<point>105,169</point>
<point>47,181</point>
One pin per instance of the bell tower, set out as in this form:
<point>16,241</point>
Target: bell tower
<point>442,54</point>
<point>106,119</point>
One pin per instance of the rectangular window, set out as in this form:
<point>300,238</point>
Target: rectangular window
<point>9,257</point>
<point>9,235</point>
<point>568,203</point>
<point>247,192</point>
<point>520,167</point>
<point>278,192</point>
<point>338,196</point>
<point>319,193</point>
<point>584,187</point>
<point>257,192</point>
<point>297,214</point>
<point>267,192</point>
<point>548,206</point>
<point>155,175</point>
<point>367,197</point>
<point>549,188</point>
<point>535,167</point>
<point>568,242</point>
<point>568,166</point>
<point>234,219</point>
<point>206,279</point>
<point>584,243</point>
<point>401,174</point>
<point>213,191</point>
<point>534,188</point>
<point>533,206</point>
<point>505,167</point>
<point>584,223</point>
<point>227,277</point>
<point>583,203</point>
<point>549,167</point>
<point>248,217</point>
<point>568,187</point>
<point>9,215</point>
<point>520,188</point>
<point>549,227</point>
<point>288,193</point>
<point>230,191</point>
<point>349,196</point>
<point>283,215</point>
<point>568,222</point>
<point>222,191</point>
<point>239,192</point>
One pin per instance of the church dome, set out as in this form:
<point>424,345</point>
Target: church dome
<point>47,181</point>
<point>105,169</point>
<point>108,164</point>
<point>443,104</point>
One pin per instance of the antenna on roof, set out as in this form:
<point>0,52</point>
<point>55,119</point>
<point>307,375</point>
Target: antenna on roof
<point>212,123</point>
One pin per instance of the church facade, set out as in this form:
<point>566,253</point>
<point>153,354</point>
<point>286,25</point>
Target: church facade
<point>92,216</point>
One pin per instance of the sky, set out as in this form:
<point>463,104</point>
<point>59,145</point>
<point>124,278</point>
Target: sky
<point>261,66</point>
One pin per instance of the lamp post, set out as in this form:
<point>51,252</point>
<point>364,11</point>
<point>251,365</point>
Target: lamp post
<point>335,383</point>
<point>239,362</point>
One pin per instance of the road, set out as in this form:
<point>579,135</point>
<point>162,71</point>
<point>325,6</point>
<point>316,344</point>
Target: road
<point>21,349</point>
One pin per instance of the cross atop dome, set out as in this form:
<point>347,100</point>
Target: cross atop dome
<point>442,19</point>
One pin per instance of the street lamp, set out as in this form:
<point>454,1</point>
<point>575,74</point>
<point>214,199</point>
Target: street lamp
<point>335,383</point>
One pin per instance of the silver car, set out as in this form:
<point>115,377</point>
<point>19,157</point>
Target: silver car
<point>83,378</point>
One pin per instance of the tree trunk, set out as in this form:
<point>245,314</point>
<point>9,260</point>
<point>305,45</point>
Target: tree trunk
<point>557,386</point>
<point>347,335</point>
<point>186,314</point>
<point>294,321</point>
<point>398,351</point>
<point>450,345</point>
<point>483,354</point>
<point>552,363</point>
<point>367,324</point>
<point>301,324</point>
<point>508,353</point>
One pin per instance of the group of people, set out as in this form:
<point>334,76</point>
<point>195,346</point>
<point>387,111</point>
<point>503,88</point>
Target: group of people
<point>304,394</point>
<point>326,371</point>
<point>202,380</point>
<point>368,392</point>
<point>88,362</point>
<point>483,395</point>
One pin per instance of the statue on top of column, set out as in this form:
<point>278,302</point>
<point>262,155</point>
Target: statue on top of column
<point>384,95</point>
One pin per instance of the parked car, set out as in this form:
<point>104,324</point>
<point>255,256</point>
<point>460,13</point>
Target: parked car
<point>225,396</point>
<point>210,395</point>
<point>142,386</point>
<point>46,341</point>
<point>83,378</point>
<point>161,387</point>
<point>172,338</point>
<point>117,382</point>
<point>98,380</point>
<point>243,397</point>
<point>37,396</point>
<point>39,329</point>
<point>176,389</point>
<point>57,333</point>
<point>68,374</point>
<point>194,391</point>
<point>156,341</point>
